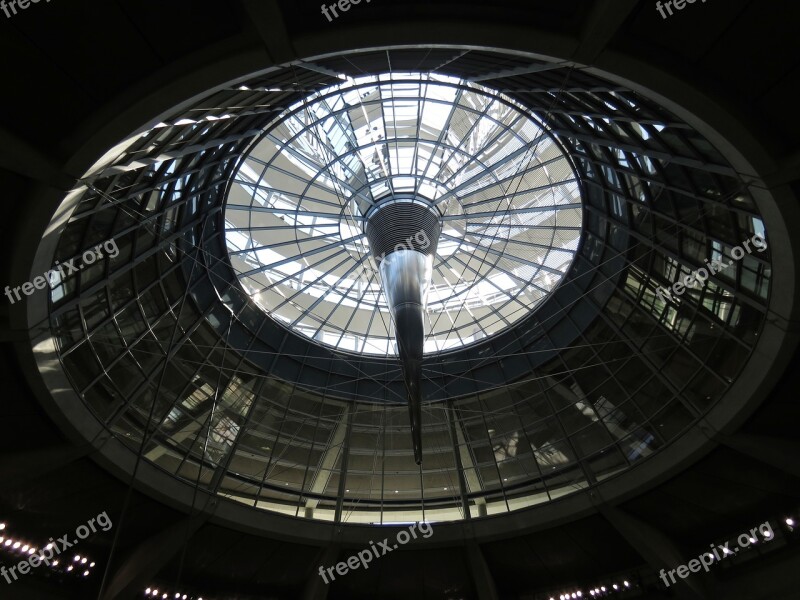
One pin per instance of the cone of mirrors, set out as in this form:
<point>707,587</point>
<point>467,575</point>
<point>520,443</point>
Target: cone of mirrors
<point>403,234</point>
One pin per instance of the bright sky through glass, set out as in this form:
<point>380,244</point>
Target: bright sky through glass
<point>510,205</point>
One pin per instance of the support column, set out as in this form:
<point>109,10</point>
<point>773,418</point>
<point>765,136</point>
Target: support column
<point>482,577</point>
<point>266,17</point>
<point>328,462</point>
<point>605,19</point>
<point>316,588</point>
<point>657,549</point>
<point>144,563</point>
<point>348,417</point>
<point>470,473</point>
<point>462,484</point>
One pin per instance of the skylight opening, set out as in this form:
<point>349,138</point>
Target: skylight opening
<point>508,200</point>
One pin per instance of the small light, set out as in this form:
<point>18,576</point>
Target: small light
<point>395,491</point>
<point>83,561</point>
<point>2,526</point>
<point>25,548</point>
<point>445,489</point>
<point>86,573</point>
<point>752,540</point>
<point>177,594</point>
<point>347,490</point>
<point>16,544</point>
<point>49,546</point>
<point>164,596</point>
<point>183,597</point>
<point>92,564</point>
<point>591,592</point>
<point>8,542</point>
<point>31,550</point>
<point>69,568</point>
<point>574,595</point>
<point>580,593</point>
<point>55,563</point>
<point>147,591</point>
<point>790,522</point>
<point>767,534</point>
<point>77,557</point>
<point>602,588</point>
<point>626,584</point>
<point>615,586</point>
<point>155,592</point>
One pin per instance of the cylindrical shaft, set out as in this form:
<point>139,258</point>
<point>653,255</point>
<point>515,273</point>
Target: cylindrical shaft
<point>403,236</point>
<point>406,276</point>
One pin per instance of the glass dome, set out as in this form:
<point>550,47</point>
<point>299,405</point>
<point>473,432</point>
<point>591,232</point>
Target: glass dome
<point>162,347</point>
<point>506,196</point>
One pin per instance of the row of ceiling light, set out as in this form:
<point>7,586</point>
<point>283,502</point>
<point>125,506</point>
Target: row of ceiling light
<point>602,590</point>
<point>20,547</point>
<point>156,593</point>
<point>79,565</point>
<point>597,592</point>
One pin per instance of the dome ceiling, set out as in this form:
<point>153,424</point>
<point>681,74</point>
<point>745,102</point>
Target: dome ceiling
<point>172,350</point>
